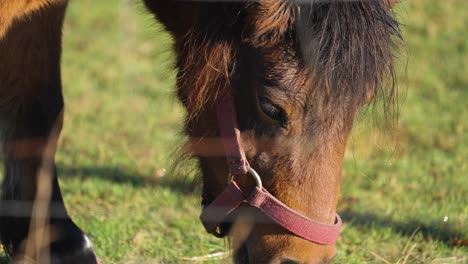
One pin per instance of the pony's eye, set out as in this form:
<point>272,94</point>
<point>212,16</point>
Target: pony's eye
<point>272,111</point>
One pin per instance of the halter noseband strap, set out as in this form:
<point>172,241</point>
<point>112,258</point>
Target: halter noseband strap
<point>232,197</point>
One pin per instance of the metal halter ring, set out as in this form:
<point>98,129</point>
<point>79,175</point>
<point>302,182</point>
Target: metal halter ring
<point>258,182</point>
<point>256,177</point>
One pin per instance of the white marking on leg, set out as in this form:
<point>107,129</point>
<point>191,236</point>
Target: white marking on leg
<point>87,242</point>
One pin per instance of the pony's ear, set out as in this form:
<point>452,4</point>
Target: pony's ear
<point>267,21</point>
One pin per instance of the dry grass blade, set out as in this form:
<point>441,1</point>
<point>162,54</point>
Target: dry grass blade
<point>451,260</point>
<point>35,247</point>
<point>380,257</point>
<point>408,253</point>
<point>409,240</point>
<point>211,256</point>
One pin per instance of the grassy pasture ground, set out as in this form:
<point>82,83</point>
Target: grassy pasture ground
<point>404,195</point>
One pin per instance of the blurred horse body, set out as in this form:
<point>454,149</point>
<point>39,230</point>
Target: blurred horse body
<point>298,72</point>
<point>33,218</point>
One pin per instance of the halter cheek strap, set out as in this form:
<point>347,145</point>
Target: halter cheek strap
<point>232,197</point>
<point>230,136</point>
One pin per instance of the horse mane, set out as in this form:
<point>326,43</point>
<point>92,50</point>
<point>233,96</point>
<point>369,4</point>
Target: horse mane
<point>206,55</point>
<point>349,46</point>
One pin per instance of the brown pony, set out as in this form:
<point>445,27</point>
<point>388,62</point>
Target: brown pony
<point>298,72</point>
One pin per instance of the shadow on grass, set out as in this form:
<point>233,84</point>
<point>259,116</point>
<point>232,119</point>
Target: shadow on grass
<point>187,185</point>
<point>434,231</point>
<point>176,182</point>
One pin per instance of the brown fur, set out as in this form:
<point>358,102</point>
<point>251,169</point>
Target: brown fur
<point>209,59</point>
<point>319,61</point>
<point>30,103</point>
<point>31,106</point>
<point>314,63</point>
<point>11,10</point>
<point>267,22</point>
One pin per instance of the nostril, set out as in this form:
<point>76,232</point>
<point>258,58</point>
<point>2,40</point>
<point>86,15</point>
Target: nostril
<point>288,261</point>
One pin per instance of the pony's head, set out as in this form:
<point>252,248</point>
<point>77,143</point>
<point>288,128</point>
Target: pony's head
<point>298,72</point>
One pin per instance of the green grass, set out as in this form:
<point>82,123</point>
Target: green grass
<point>122,124</point>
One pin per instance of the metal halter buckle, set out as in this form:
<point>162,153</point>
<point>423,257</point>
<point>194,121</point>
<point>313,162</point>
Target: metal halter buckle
<point>255,176</point>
